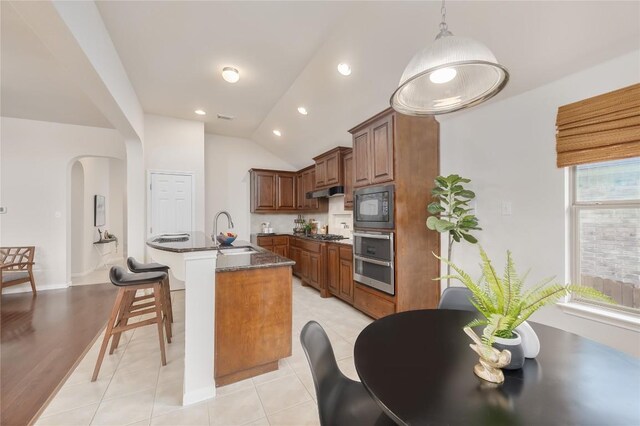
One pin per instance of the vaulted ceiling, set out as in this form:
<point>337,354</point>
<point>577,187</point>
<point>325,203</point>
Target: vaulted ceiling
<point>287,53</point>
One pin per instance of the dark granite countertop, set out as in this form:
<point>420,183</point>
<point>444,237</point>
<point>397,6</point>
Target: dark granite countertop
<point>238,262</point>
<point>348,242</point>
<point>196,241</point>
<point>199,241</point>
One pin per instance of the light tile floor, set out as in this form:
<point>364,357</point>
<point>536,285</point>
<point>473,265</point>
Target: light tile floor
<point>134,389</point>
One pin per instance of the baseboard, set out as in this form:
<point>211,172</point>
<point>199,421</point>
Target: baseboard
<point>27,288</point>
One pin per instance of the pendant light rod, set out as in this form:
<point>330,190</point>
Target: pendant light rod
<point>444,28</point>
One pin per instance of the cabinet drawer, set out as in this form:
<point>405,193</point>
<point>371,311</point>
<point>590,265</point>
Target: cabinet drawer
<point>280,240</point>
<point>346,252</point>
<point>372,305</point>
<point>265,241</point>
<point>309,246</point>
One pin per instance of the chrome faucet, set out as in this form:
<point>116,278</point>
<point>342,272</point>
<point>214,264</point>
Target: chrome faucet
<point>215,225</point>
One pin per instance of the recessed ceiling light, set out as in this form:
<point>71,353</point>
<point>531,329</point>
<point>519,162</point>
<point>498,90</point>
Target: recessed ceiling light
<point>200,112</point>
<point>277,132</point>
<point>344,69</point>
<point>230,74</point>
<point>302,110</point>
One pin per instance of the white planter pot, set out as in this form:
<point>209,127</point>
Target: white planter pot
<point>530,341</point>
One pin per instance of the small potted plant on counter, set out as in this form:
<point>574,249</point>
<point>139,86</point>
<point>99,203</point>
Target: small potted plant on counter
<point>505,303</point>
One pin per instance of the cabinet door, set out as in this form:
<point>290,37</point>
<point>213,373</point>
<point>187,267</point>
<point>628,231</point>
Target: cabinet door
<point>314,270</point>
<point>294,254</point>
<point>332,169</point>
<point>300,196</point>
<point>361,175</point>
<point>333,269</point>
<point>285,198</point>
<point>348,181</point>
<point>382,150</point>
<point>321,173</point>
<point>304,264</point>
<point>264,191</point>
<point>309,179</point>
<point>346,280</point>
<point>280,250</point>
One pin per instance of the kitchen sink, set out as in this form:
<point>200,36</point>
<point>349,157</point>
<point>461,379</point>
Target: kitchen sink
<point>237,250</point>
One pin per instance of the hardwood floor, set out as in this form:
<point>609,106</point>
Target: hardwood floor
<point>41,339</point>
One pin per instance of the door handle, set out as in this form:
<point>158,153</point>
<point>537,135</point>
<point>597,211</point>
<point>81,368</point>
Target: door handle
<point>374,261</point>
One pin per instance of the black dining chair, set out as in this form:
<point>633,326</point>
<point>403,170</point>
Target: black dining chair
<point>341,401</point>
<point>457,298</point>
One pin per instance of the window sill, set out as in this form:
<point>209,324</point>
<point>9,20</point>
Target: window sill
<point>618,319</point>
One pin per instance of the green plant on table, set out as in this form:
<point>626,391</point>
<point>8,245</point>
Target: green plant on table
<point>505,303</point>
<point>451,212</point>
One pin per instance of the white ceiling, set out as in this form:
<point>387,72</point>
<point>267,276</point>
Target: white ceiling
<point>287,54</point>
<point>32,84</point>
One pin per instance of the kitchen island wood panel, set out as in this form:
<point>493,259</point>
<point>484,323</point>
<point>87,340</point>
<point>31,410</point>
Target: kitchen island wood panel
<point>253,322</point>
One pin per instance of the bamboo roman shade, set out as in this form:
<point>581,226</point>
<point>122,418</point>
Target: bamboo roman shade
<point>602,128</point>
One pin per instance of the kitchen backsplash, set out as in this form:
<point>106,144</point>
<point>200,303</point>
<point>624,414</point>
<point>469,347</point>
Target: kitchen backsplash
<point>340,221</point>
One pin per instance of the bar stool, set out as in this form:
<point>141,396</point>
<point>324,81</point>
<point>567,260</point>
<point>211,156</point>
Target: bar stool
<point>125,307</point>
<point>137,267</point>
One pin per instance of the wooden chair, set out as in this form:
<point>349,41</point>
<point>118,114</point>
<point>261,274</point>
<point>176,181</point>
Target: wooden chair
<point>16,266</point>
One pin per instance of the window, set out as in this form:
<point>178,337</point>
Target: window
<point>605,218</point>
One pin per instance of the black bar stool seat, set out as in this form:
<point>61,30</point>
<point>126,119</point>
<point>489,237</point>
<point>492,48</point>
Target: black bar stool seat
<point>135,266</point>
<point>139,267</point>
<point>120,277</point>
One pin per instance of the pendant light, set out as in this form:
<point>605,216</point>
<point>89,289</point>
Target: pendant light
<point>451,74</point>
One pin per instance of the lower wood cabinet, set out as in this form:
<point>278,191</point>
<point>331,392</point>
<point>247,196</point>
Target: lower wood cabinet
<point>340,271</point>
<point>253,320</point>
<point>371,302</point>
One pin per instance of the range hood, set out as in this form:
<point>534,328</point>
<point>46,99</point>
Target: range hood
<point>326,193</point>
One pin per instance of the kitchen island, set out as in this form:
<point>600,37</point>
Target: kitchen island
<point>237,309</point>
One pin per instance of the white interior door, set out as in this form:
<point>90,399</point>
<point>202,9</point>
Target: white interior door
<point>171,203</point>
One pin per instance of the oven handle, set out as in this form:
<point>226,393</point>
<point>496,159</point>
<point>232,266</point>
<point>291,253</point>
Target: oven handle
<point>375,262</point>
<point>374,236</point>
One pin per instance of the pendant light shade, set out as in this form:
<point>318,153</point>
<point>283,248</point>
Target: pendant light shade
<point>451,74</point>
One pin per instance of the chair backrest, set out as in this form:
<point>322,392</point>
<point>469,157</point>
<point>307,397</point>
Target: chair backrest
<point>322,361</point>
<point>21,256</point>
<point>457,298</point>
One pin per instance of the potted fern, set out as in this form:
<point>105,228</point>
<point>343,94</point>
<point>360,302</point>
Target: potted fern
<point>505,304</point>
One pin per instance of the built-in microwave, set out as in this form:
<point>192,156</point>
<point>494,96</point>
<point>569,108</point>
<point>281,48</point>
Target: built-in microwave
<point>373,207</point>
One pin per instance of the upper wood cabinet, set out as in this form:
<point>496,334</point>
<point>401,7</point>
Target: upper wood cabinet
<point>373,154</point>
<point>285,191</point>
<point>281,191</point>
<point>347,163</point>
<point>329,168</point>
<point>263,190</point>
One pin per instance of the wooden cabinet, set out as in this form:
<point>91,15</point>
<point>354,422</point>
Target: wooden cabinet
<point>345,276</point>
<point>272,190</point>
<point>285,191</point>
<point>373,154</point>
<point>263,190</point>
<point>340,271</point>
<point>333,269</point>
<point>329,168</point>
<point>278,244</point>
<point>371,302</point>
<point>253,320</point>
<point>304,264</point>
<point>347,163</point>
<point>315,272</point>
<point>300,195</point>
<point>308,185</point>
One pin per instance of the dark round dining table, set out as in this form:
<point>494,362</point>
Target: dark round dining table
<point>418,367</point>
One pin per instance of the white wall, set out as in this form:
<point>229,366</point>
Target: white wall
<point>172,144</point>
<point>228,161</point>
<point>36,166</point>
<point>77,218</point>
<point>507,148</point>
